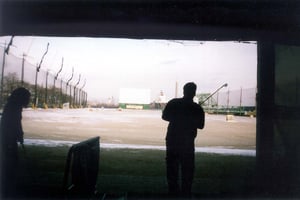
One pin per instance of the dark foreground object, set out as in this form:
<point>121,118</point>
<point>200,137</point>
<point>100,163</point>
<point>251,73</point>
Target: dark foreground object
<point>82,169</point>
<point>140,174</point>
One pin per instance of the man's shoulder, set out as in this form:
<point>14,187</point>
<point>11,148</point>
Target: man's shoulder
<point>175,100</point>
<point>197,106</point>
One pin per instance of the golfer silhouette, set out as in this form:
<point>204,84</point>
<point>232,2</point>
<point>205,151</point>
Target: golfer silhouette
<point>11,133</point>
<point>184,117</point>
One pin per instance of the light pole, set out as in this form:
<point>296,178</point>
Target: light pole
<point>241,98</point>
<point>22,72</point>
<point>74,96</point>
<point>46,91</point>
<point>23,63</point>
<point>70,85</point>
<point>36,76</point>
<point>5,51</point>
<point>2,77</point>
<point>55,78</point>
<point>81,92</point>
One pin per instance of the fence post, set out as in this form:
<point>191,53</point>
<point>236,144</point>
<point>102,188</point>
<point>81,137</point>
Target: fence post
<point>36,75</point>
<point>71,95</point>
<point>70,86</point>
<point>2,76</point>
<point>46,91</point>
<point>82,93</point>
<point>241,96</point>
<point>22,71</point>
<point>55,78</point>
<point>61,92</point>
<point>35,88</point>
<point>75,95</point>
<point>227,100</point>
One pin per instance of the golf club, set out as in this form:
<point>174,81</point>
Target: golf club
<point>224,85</point>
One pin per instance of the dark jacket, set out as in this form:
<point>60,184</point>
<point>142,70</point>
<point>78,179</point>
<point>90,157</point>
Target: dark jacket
<point>185,117</point>
<point>11,128</point>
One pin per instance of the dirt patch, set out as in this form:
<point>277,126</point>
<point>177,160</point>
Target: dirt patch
<point>132,127</point>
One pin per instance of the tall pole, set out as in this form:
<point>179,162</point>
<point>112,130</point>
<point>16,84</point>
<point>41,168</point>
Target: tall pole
<point>22,72</point>
<point>241,96</point>
<point>218,103</point>
<point>36,75</point>
<point>74,96</point>
<point>55,78</point>
<point>23,64</point>
<point>70,85</point>
<point>2,76</point>
<point>85,98</point>
<point>71,98</point>
<point>46,91</point>
<point>61,67</point>
<point>227,101</point>
<point>61,98</point>
<point>35,88</point>
<point>5,51</point>
<point>80,93</point>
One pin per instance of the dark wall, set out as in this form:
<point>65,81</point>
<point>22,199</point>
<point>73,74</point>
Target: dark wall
<point>176,19</point>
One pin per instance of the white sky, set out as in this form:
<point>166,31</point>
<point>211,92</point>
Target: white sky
<point>111,64</point>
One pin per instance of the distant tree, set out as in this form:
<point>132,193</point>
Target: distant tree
<point>10,82</point>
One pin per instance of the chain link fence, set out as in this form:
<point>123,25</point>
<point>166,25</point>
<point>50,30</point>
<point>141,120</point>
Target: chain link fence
<point>47,90</point>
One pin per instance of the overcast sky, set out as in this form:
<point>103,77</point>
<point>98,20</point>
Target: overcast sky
<point>111,64</point>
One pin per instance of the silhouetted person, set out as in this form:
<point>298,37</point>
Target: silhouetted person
<point>185,117</point>
<point>11,134</point>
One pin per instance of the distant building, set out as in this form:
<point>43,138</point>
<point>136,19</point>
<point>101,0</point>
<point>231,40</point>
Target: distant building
<point>133,98</point>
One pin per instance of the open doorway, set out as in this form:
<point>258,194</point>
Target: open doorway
<point>117,88</point>
<point>100,73</point>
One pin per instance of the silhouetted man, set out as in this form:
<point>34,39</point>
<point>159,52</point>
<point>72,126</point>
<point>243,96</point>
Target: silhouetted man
<point>11,134</point>
<point>185,117</point>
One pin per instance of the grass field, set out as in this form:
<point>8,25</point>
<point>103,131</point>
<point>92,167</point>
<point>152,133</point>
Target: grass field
<point>139,173</point>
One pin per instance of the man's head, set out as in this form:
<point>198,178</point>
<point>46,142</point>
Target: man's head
<point>189,90</point>
<point>20,97</point>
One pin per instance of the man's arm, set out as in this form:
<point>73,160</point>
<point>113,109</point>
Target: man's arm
<point>201,119</point>
<point>19,130</point>
<point>167,113</point>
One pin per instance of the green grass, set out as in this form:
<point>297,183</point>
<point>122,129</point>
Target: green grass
<point>135,172</point>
